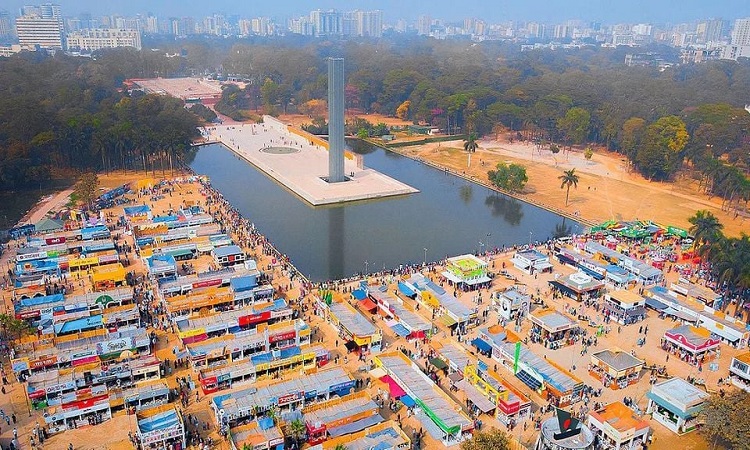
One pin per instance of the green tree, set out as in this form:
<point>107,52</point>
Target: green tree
<point>575,125</point>
<point>297,430</point>
<point>554,148</point>
<point>87,187</point>
<point>511,177</point>
<point>470,145</point>
<point>631,136</point>
<point>569,178</point>
<point>14,328</point>
<point>659,157</point>
<point>588,153</point>
<point>490,439</point>
<point>726,419</point>
<point>705,229</point>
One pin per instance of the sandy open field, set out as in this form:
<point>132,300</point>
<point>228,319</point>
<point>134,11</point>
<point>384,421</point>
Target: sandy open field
<point>606,190</point>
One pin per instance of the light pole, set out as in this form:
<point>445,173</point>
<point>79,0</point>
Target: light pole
<point>489,244</point>
<point>481,248</point>
<point>366,266</point>
<point>425,256</point>
<point>530,233</point>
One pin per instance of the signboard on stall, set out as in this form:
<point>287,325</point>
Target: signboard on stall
<point>289,398</point>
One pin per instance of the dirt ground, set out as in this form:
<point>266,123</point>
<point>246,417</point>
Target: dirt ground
<point>617,192</point>
<point>606,190</point>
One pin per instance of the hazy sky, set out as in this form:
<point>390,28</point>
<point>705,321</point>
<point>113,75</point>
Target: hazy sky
<point>609,11</point>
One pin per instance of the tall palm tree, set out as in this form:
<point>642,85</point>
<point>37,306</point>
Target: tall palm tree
<point>470,145</point>
<point>568,178</point>
<point>297,430</point>
<point>705,228</point>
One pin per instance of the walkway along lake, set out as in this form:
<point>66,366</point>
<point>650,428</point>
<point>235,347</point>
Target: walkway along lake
<point>449,216</point>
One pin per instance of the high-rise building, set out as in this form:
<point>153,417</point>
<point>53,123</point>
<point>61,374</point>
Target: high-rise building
<point>369,23</point>
<point>710,30</point>
<point>741,32</point>
<point>151,24</point>
<point>6,29</point>
<point>100,38</point>
<point>326,23</point>
<point>424,25</point>
<point>42,26</point>
<point>740,45</point>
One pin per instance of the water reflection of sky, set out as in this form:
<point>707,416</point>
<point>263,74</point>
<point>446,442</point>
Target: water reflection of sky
<point>449,216</point>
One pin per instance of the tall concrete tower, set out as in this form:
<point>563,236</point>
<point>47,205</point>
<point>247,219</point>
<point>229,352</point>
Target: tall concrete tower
<point>336,120</point>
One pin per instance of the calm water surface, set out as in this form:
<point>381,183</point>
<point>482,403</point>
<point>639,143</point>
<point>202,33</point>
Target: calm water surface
<point>450,216</point>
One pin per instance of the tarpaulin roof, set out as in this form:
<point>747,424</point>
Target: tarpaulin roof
<point>482,345</point>
<point>400,330</point>
<point>396,390</point>
<point>359,294</point>
<point>367,304</point>
<point>48,225</point>
<point>136,210</point>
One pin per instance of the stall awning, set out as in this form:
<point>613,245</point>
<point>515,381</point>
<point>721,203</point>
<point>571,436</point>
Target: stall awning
<point>408,401</point>
<point>400,330</point>
<point>456,376</point>
<point>359,294</point>
<point>475,397</point>
<point>356,426</point>
<point>655,304</point>
<point>481,345</point>
<point>448,320</point>
<point>395,390</point>
<point>406,290</point>
<point>681,315</point>
<point>438,363</point>
<point>368,305</point>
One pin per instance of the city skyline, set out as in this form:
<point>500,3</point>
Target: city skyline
<point>534,10</point>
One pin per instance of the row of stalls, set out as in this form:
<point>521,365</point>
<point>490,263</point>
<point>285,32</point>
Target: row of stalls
<point>262,364</point>
<point>242,406</point>
<point>399,316</point>
<point>440,417</point>
<point>729,330</point>
<point>446,308</point>
<point>359,334</point>
<point>491,394</point>
<point>201,328</point>
<point>230,348</point>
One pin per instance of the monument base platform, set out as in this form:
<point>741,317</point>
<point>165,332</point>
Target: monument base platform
<point>300,163</point>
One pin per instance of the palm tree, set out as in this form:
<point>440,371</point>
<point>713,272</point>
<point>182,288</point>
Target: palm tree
<point>470,145</point>
<point>706,228</point>
<point>340,447</point>
<point>297,430</point>
<point>568,178</point>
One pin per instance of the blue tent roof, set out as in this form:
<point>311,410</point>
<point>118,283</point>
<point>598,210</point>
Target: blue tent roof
<point>73,326</point>
<point>406,290</point>
<point>408,401</point>
<point>265,423</point>
<point>245,283</point>
<point>164,219</point>
<point>400,330</point>
<point>481,344</point>
<point>26,302</point>
<point>136,210</point>
<point>359,294</point>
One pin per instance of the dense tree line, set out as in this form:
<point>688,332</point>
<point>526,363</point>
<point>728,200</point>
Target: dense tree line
<point>71,113</point>
<point>688,118</point>
<point>729,258</point>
